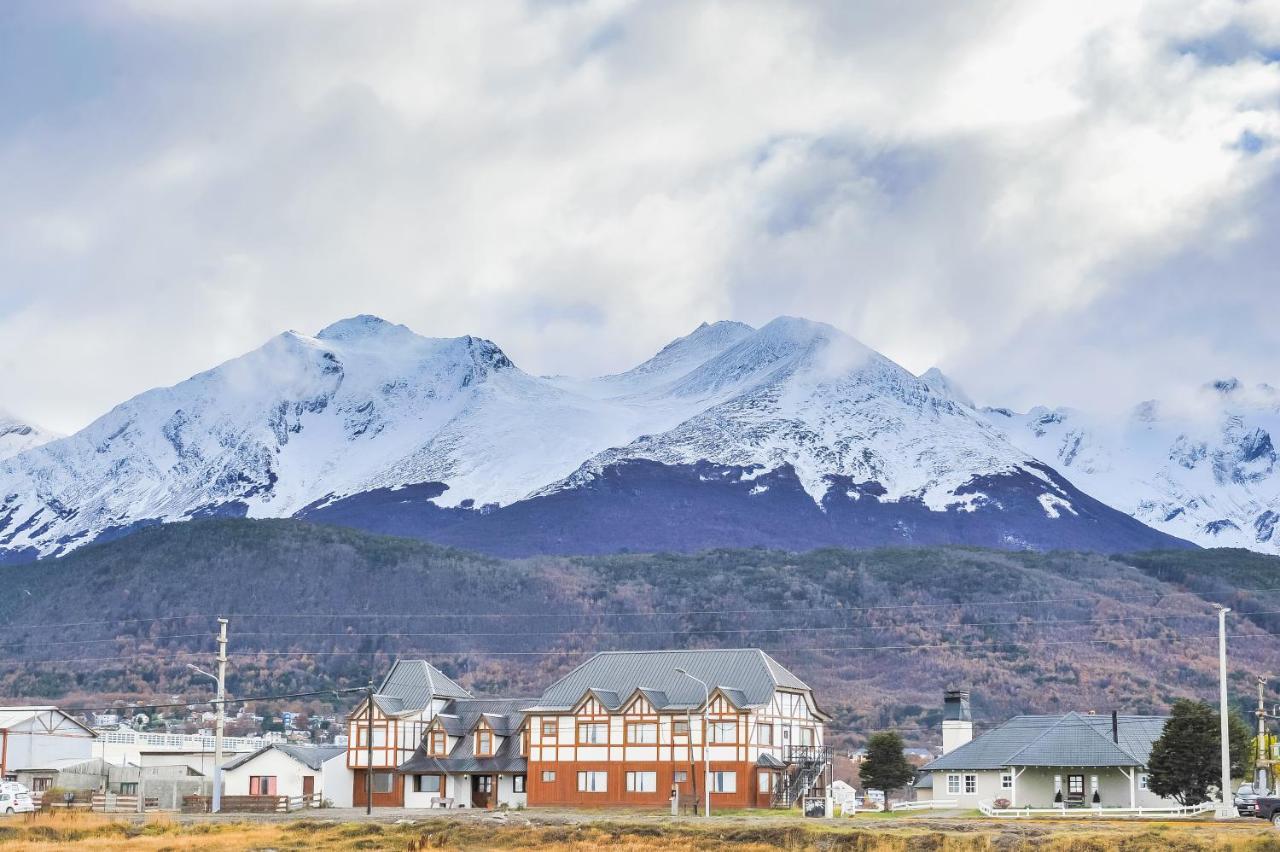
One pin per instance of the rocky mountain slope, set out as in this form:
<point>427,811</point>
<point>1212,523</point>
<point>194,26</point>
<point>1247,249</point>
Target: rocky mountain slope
<point>791,435</point>
<point>1203,468</point>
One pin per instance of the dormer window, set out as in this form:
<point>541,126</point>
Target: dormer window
<point>439,743</point>
<point>484,741</point>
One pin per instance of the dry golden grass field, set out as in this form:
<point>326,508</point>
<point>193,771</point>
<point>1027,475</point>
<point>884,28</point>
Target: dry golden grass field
<point>568,831</point>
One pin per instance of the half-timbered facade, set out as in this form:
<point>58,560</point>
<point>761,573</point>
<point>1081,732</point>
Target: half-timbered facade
<point>472,755</point>
<point>405,703</point>
<point>628,728</point>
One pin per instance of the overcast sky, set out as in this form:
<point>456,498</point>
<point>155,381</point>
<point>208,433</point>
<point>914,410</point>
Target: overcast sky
<point>1067,203</point>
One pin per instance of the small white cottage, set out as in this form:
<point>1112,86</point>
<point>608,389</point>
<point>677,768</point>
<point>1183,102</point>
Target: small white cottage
<point>282,769</point>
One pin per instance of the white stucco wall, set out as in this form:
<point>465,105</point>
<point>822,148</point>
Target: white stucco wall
<point>1035,787</point>
<point>288,772</point>
<point>338,781</point>
<point>459,788</point>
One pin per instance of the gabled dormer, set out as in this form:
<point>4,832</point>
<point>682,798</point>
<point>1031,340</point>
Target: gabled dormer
<point>485,741</point>
<point>436,739</point>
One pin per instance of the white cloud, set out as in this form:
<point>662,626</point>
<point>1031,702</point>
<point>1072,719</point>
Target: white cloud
<point>583,181</point>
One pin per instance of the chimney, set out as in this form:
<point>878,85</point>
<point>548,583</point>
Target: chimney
<point>957,722</point>
<point>1115,727</point>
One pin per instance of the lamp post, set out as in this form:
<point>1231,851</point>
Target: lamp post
<point>216,806</point>
<point>1225,810</point>
<point>706,760</point>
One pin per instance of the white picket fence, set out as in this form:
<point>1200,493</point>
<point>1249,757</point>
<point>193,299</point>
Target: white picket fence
<point>988,809</point>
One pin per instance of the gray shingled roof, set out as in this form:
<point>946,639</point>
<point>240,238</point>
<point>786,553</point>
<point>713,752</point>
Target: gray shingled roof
<point>411,684</point>
<point>1068,740</point>
<point>459,718</point>
<point>310,756</point>
<point>751,672</point>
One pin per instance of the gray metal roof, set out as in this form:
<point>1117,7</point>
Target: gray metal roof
<point>751,672</point>
<point>459,718</point>
<point>1068,740</point>
<point>310,756</point>
<point>411,684</point>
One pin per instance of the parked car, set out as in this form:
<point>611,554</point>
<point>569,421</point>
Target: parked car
<point>1268,808</point>
<point>16,802</point>
<point>1246,799</point>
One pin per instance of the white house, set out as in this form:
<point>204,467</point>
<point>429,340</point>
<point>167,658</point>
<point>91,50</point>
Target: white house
<point>291,770</point>
<point>1043,761</point>
<point>472,756</point>
<point>40,738</point>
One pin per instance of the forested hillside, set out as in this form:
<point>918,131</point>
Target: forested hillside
<point>879,633</point>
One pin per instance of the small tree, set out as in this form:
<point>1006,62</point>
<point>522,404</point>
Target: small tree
<point>1185,760</point>
<point>886,768</point>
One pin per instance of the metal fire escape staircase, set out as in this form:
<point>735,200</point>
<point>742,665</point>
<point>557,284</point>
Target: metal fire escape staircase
<point>806,766</point>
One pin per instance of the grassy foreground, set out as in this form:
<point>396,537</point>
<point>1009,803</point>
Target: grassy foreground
<point>85,832</point>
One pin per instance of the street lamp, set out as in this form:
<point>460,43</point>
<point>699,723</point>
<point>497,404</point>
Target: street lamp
<point>706,760</point>
<point>216,806</point>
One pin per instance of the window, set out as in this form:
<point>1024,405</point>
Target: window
<point>1075,785</point>
<point>549,727</point>
<point>1006,780</point>
<point>764,733</point>
<point>724,782</point>
<point>680,777</point>
<point>484,741</point>
<point>806,736</point>
<point>766,781</point>
<point>953,785</point>
<point>680,728</point>
<point>517,783</point>
<point>593,733</point>
<point>593,782</point>
<point>971,783</point>
<point>1142,781</point>
<point>379,737</point>
<point>129,788</point>
<point>644,733</point>
<point>262,785</point>
<point>723,732</point>
<point>439,743</point>
<point>426,783</point>
<point>642,782</point>
<point>41,784</point>
<point>383,782</point>
<point>548,775</point>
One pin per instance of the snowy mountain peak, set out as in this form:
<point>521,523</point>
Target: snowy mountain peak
<point>18,435</point>
<point>943,385</point>
<point>361,326</point>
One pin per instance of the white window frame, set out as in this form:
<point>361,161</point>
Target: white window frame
<point>1142,781</point>
<point>724,781</point>
<point>953,785</point>
<point>641,781</point>
<point>592,730</point>
<point>970,784</point>
<point>548,775</point>
<point>719,729</point>
<point>593,781</point>
<point>646,733</point>
<point>1006,780</point>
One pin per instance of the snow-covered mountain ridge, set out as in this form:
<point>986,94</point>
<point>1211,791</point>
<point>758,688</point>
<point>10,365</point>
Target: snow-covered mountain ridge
<point>367,420</point>
<point>1203,468</point>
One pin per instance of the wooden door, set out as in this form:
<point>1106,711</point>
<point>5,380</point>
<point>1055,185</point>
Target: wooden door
<point>308,785</point>
<point>481,791</point>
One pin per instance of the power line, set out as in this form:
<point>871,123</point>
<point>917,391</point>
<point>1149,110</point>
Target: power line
<point>835,607</point>
<point>994,643</point>
<point>666,632</point>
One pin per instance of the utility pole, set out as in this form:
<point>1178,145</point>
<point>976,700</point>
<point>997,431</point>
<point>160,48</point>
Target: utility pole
<point>222,715</point>
<point>368,745</point>
<point>1225,810</point>
<point>1262,776</point>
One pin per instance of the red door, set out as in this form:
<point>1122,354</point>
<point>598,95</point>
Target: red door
<point>308,785</point>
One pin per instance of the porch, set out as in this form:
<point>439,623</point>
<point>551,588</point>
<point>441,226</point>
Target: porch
<point>1075,787</point>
